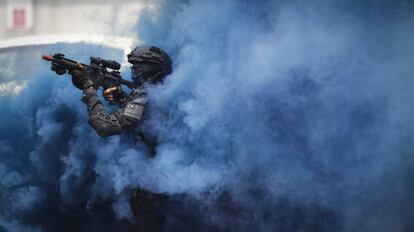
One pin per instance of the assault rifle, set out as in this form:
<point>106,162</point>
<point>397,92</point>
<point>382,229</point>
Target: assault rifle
<point>98,70</point>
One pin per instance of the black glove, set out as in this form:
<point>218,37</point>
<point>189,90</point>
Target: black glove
<point>59,70</point>
<point>81,79</point>
<point>114,95</point>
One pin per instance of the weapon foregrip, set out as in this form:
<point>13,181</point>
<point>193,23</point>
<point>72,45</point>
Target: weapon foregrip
<point>67,64</point>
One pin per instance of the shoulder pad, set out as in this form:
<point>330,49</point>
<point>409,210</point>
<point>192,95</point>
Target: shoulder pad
<point>139,92</point>
<point>139,96</point>
<point>140,100</point>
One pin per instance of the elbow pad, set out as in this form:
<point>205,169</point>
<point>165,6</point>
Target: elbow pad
<point>105,125</point>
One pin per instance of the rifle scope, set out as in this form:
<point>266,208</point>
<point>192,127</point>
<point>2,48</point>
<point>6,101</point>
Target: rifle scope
<point>112,64</point>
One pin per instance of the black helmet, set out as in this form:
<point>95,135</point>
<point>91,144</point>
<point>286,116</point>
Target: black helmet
<point>149,64</point>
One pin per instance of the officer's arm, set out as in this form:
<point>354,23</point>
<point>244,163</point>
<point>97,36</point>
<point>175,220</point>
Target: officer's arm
<point>111,124</point>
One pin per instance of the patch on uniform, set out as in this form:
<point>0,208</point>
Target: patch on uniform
<point>134,111</point>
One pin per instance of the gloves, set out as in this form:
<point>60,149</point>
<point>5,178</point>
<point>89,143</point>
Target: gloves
<point>59,70</point>
<point>115,95</point>
<point>81,79</point>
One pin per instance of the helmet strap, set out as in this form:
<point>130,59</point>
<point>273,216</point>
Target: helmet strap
<point>153,79</point>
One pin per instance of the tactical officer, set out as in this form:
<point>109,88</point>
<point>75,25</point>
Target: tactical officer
<point>150,65</point>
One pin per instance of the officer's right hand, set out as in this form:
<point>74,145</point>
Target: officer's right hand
<point>111,93</point>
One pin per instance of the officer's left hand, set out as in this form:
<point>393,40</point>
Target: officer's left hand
<point>81,78</point>
<point>59,70</point>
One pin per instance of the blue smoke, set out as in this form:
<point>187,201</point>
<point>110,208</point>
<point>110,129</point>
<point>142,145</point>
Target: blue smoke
<point>278,116</point>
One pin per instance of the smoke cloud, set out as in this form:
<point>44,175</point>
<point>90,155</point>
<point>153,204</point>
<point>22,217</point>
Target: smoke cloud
<point>278,116</point>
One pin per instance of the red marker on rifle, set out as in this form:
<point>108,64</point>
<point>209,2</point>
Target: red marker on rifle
<point>47,57</point>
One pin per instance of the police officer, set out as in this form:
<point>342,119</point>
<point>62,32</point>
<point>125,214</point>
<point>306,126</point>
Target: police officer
<point>150,65</point>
